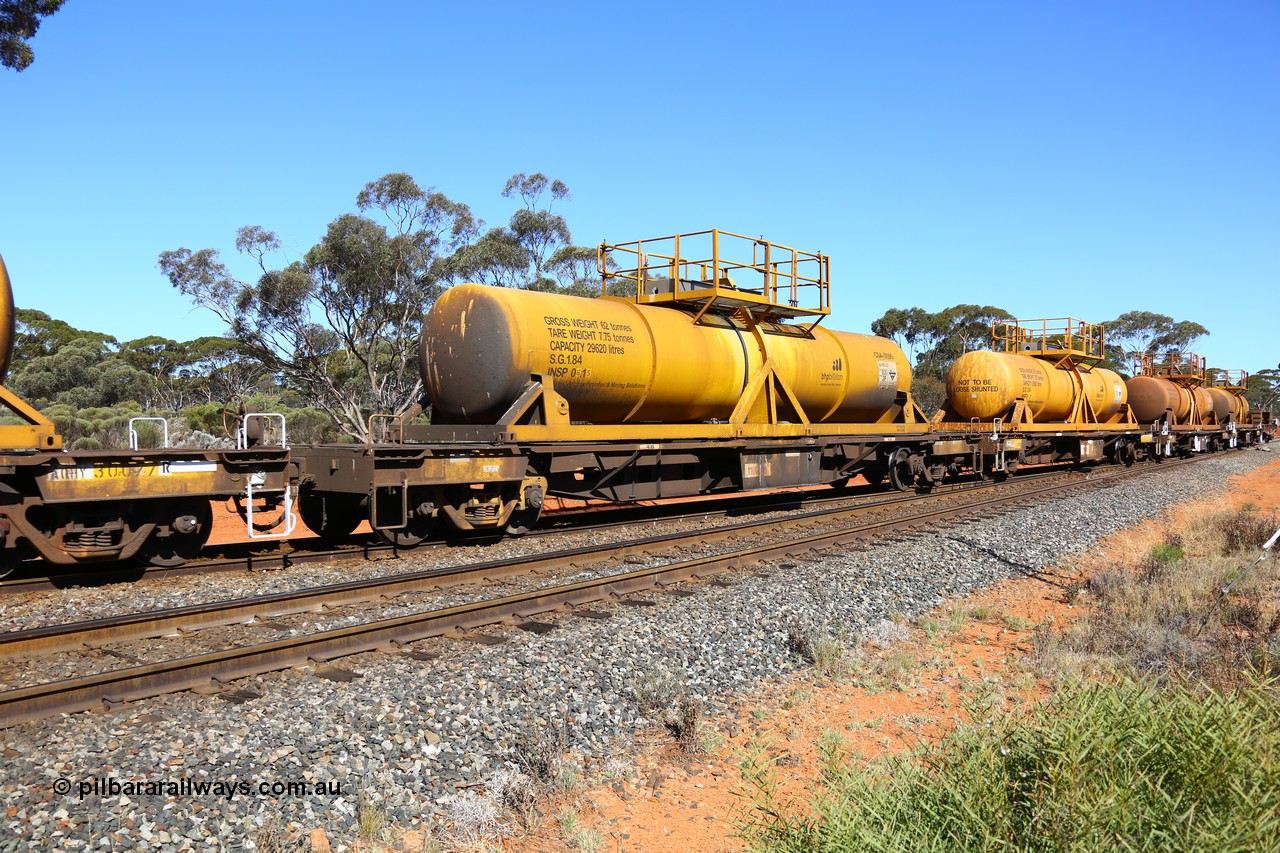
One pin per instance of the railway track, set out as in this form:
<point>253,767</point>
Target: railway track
<point>251,556</point>
<point>270,557</point>
<point>211,672</point>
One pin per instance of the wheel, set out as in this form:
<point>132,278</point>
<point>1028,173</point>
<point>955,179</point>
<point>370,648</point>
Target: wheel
<point>412,534</point>
<point>900,476</point>
<point>1126,454</point>
<point>331,516</point>
<point>523,520</point>
<point>189,525</point>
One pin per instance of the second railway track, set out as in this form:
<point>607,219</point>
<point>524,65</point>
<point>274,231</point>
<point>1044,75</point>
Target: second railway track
<point>212,671</point>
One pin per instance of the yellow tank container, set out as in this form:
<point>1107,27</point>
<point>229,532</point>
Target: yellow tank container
<point>1150,396</point>
<point>619,362</point>
<point>985,385</point>
<point>7,321</point>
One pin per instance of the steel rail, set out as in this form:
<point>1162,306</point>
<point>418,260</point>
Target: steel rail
<point>211,672</point>
<point>133,626</point>
<point>272,556</point>
<point>261,556</point>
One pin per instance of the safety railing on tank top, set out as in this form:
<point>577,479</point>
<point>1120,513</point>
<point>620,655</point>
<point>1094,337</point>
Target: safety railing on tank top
<point>1053,337</point>
<point>1186,368</point>
<point>706,268</point>
<point>1232,380</point>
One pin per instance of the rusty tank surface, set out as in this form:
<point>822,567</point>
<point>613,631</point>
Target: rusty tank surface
<point>619,361</point>
<point>1151,396</point>
<point>1178,386</point>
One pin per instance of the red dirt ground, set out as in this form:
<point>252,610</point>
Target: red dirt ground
<point>674,802</point>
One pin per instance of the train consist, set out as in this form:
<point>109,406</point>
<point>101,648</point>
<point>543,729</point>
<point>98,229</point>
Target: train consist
<point>716,376</point>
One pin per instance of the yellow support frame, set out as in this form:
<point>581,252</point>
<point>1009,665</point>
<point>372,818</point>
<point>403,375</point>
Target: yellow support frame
<point>39,433</point>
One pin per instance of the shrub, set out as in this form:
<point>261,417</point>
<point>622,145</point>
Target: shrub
<point>686,724</point>
<point>1104,766</point>
<point>1165,553</point>
<point>1244,529</point>
<point>819,646</point>
<point>539,751</point>
<point>656,689</point>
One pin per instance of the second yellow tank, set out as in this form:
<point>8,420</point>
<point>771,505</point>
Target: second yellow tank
<point>986,385</point>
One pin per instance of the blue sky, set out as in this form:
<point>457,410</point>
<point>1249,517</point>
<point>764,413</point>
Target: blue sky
<point>1050,158</point>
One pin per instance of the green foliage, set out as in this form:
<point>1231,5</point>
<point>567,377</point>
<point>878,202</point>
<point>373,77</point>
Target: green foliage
<point>929,392</point>
<point>1263,390</point>
<point>1147,332</point>
<point>1105,766</point>
<point>58,363</point>
<point>37,334</point>
<point>19,21</point>
<point>534,251</point>
<point>1164,553</point>
<point>107,426</point>
<point>206,417</point>
<point>934,341</point>
<point>370,280</point>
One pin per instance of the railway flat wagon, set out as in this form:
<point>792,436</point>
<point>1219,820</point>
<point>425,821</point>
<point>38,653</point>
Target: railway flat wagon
<point>712,374</point>
<point>92,506</point>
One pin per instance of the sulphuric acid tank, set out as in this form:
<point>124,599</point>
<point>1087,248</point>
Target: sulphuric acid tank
<point>1222,402</point>
<point>1150,396</point>
<point>7,321</point>
<point>983,384</point>
<point>616,361</point>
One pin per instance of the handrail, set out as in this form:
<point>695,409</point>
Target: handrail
<point>133,435</point>
<point>698,267</point>
<point>1229,378</point>
<point>243,438</point>
<point>1055,337</point>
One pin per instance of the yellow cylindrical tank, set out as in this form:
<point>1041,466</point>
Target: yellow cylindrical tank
<point>7,321</point>
<point>619,362</point>
<point>985,385</point>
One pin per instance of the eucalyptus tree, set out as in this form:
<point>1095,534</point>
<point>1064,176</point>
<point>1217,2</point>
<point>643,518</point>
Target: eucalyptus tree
<point>1263,390</point>
<point>19,21</point>
<point>534,250</point>
<point>1137,332</point>
<point>341,324</point>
